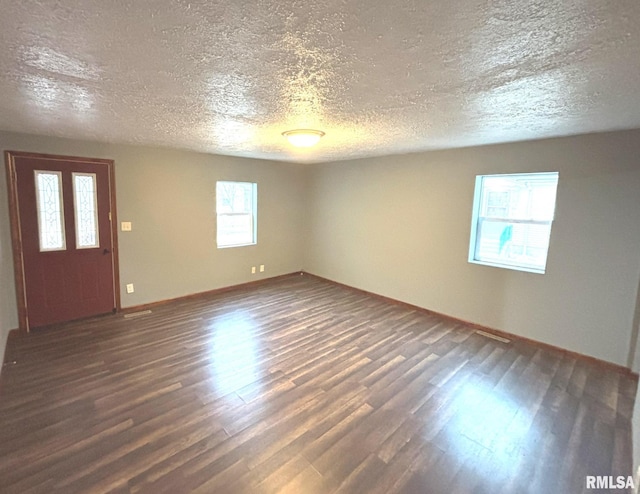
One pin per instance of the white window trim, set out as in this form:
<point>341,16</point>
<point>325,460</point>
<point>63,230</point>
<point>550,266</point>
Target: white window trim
<point>253,217</point>
<point>476,219</point>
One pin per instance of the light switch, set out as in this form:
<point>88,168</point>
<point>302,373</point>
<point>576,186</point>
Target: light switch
<point>126,226</point>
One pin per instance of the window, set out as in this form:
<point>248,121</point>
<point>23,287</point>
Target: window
<point>49,206</point>
<point>236,212</point>
<point>86,210</point>
<point>512,216</point>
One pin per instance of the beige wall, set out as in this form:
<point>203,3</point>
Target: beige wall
<point>169,197</point>
<point>399,226</point>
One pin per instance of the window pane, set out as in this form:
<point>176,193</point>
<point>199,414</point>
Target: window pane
<point>526,196</point>
<point>86,210</point>
<point>49,207</point>
<point>512,220</point>
<point>235,208</point>
<point>236,229</point>
<point>515,244</point>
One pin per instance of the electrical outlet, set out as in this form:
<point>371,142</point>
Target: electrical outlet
<point>125,226</point>
<point>262,268</point>
<point>253,270</point>
<point>130,288</point>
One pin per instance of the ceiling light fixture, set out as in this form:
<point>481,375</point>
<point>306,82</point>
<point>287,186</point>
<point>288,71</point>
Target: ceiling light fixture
<point>303,138</point>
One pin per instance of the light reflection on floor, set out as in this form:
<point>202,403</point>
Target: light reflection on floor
<point>489,428</point>
<point>233,350</point>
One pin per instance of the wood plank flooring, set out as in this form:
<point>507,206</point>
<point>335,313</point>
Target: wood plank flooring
<point>302,386</point>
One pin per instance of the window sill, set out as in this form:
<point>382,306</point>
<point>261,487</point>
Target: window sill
<point>526,269</point>
<point>236,245</point>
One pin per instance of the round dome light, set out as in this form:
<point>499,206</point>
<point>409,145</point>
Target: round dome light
<point>303,138</point>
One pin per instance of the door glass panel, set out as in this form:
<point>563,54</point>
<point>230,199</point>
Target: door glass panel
<point>86,210</point>
<point>49,206</point>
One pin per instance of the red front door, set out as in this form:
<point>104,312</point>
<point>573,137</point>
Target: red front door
<point>67,244</point>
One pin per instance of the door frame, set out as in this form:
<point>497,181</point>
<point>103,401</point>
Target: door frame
<point>16,233</point>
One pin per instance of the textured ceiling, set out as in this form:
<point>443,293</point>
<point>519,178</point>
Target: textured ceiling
<point>379,77</point>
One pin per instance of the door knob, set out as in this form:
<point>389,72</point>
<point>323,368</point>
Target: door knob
<point>106,251</point>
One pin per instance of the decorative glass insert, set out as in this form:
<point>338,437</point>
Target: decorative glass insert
<point>236,213</point>
<point>49,207</point>
<point>86,210</point>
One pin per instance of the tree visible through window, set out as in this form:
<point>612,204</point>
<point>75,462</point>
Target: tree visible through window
<point>236,213</point>
<point>512,219</point>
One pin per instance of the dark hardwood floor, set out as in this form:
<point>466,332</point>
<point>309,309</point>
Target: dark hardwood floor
<point>302,386</point>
